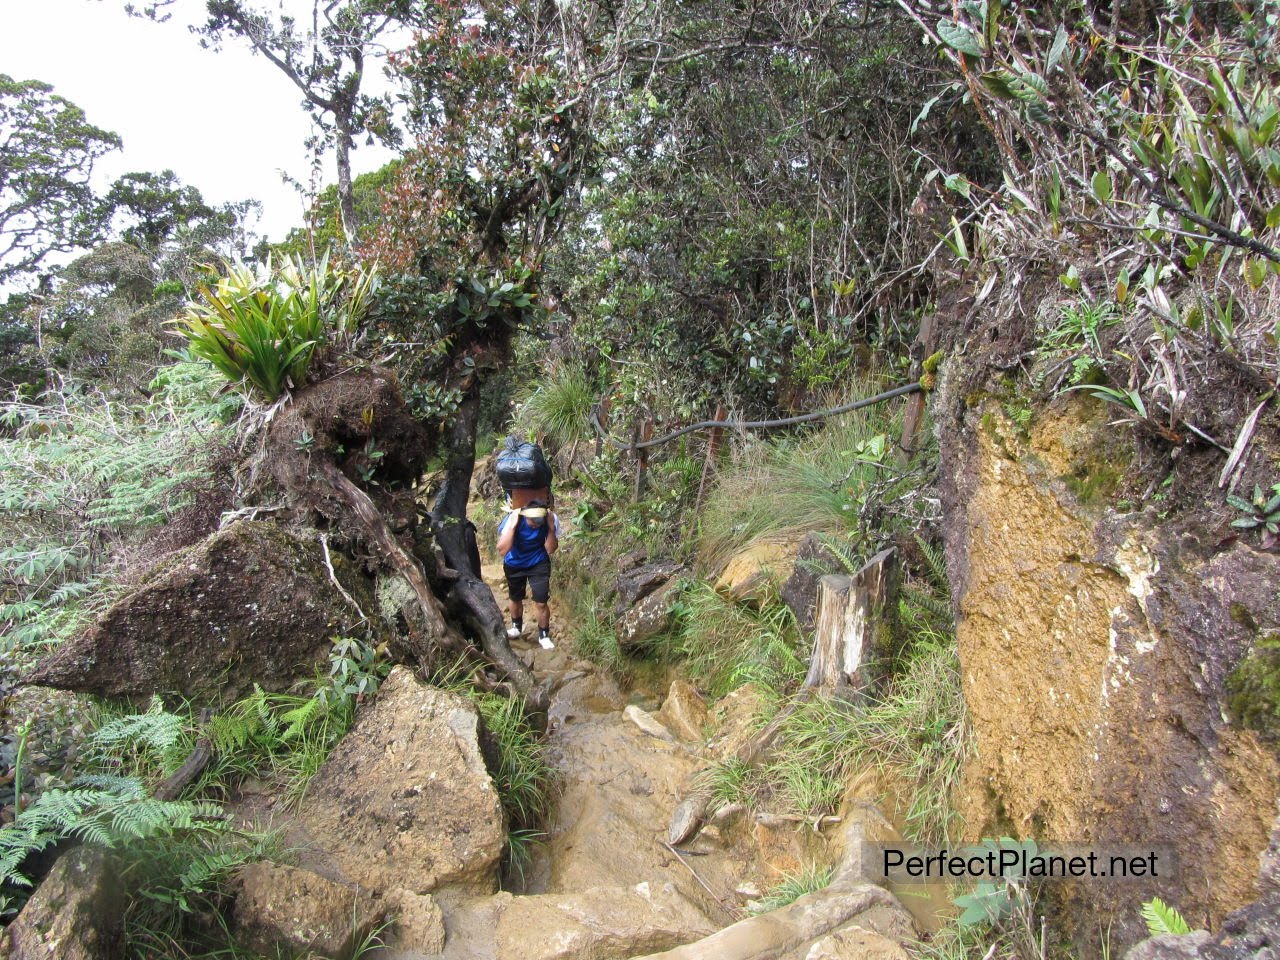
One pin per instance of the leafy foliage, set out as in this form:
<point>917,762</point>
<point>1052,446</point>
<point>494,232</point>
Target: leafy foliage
<point>80,474</point>
<point>47,152</point>
<point>263,328</point>
<point>1141,155</point>
<point>1162,918</point>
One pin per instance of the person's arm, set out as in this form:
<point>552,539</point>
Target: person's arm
<point>553,533</point>
<point>507,532</point>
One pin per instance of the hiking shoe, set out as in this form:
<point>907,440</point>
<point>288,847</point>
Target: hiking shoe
<point>544,640</point>
<point>514,632</point>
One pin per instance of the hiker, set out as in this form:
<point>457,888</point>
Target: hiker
<point>527,537</point>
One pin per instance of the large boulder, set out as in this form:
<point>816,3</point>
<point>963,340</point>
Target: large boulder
<point>635,583</point>
<point>285,908</point>
<point>759,570</point>
<point>405,801</point>
<point>75,914</point>
<point>254,603</point>
<point>1097,650</point>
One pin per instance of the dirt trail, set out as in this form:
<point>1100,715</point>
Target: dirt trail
<point>616,787</point>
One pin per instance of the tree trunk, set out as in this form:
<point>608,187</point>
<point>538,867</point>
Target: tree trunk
<point>433,632</point>
<point>449,524</point>
<point>346,193</point>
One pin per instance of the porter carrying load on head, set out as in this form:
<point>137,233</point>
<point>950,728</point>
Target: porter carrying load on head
<point>528,534</point>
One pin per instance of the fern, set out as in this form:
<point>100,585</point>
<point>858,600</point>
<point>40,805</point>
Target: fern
<point>110,813</point>
<point>80,475</point>
<point>1162,918</point>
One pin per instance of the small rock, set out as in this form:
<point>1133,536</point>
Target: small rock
<point>74,914</point>
<point>298,910</point>
<point>749,890</point>
<point>419,926</point>
<point>647,723</point>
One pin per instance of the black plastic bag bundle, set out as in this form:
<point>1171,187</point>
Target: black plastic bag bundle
<point>521,466</point>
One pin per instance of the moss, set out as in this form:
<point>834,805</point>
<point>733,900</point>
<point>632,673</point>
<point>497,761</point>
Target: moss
<point>1241,615</point>
<point>1253,688</point>
<point>1093,482</point>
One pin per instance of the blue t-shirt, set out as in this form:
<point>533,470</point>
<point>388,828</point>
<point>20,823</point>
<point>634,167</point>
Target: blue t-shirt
<point>529,545</point>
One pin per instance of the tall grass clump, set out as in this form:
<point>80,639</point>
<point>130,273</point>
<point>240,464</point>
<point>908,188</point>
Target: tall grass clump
<point>560,406</point>
<point>915,731</point>
<point>814,482</point>
<point>726,644</point>
<point>593,635</point>
<point>793,886</point>
<point>262,328</point>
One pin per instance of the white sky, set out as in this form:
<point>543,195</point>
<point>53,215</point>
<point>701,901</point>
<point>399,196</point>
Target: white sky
<point>226,123</point>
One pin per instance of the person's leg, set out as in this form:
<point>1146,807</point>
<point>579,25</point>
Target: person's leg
<point>515,593</point>
<point>540,586</point>
<point>543,611</point>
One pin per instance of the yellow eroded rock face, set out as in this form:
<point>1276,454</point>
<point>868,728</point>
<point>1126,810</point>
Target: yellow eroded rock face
<point>1033,633</point>
<point>1095,648</point>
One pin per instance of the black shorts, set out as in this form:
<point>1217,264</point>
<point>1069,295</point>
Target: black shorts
<point>538,577</point>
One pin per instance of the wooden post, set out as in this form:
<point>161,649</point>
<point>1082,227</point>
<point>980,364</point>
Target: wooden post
<point>601,413</point>
<point>713,452</point>
<point>643,434</point>
<point>849,618</point>
<point>912,417</point>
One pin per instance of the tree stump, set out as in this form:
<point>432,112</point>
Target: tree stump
<point>849,619</point>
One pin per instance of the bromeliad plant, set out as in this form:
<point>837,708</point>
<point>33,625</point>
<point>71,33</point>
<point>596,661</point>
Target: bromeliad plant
<point>262,328</point>
<point>1262,510</point>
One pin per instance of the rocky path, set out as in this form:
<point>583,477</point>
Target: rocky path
<point>403,822</point>
<point>604,883</point>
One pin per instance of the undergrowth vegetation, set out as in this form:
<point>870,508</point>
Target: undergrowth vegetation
<point>844,481</point>
<point>83,476</point>
<point>181,854</point>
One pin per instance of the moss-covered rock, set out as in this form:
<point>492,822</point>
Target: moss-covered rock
<point>1254,687</point>
<point>253,603</point>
